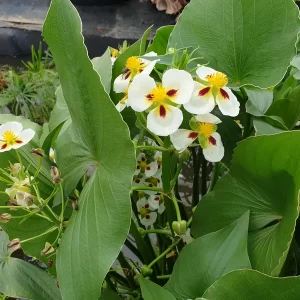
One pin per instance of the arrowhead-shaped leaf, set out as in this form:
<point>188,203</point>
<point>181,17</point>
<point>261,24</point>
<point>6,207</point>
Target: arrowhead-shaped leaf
<point>265,179</point>
<point>98,138</point>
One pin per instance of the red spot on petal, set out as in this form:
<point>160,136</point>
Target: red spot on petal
<point>212,140</point>
<point>162,111</point>
<point>158,180</point>
<point>150,185</point>
<point>149,96</point>
<point>147,217</point>
<point>3,146</point>
<point>148,168</point>
<point>156,198</point>
<point>141,70</point>
<point>137,181</point>
<point>171,92</point>
<point>138,167</point>
<point>143,159</point>
<point>224,94</point>
<point>127,75</point>
<point>147,206</point>
<point>193,135</point>
<point>204,91</point>
<point>158,166</point>
<point>19,142</point>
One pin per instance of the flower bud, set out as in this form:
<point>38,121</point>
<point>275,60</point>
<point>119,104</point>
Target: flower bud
<point>4,218</point>
<point>75,204</point>
<point>185,155</point>
<point>38,152</point>
<point>179,227</point>
<point>55,175</point>
<point>146,270</point>
<point>48,249</point>
<point>15,169</point>
<point>14,245</point>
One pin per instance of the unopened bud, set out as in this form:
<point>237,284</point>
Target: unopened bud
<point>185,155</point>
<point>14,245</point>
<point>146,270</point>
<point>4,218</point>
<point>170,50</point>
<point>38,151</point>
<point>48,249</point>
<point>55,175</point>
<point>15,169</point>
<point>179,227</point>
<point>141,194</point>
<point>75,204</point>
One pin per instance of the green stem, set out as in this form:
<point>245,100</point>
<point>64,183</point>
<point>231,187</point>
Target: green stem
<point>157,148</point>
<point>163,276</point>
<point>196,164</point>
<point>38,168</point>
<point>179,168</point>
<point>203,175</point>
<point>176,206</point>
<point>38,236</point>
<point>19,158</point>
<point>215,176</point>
<point>159,140</point>
<point>6,181</point>
<point>165,252</point>
<point>158,231</point>
<point>145,188</point>
<point>62,203</point>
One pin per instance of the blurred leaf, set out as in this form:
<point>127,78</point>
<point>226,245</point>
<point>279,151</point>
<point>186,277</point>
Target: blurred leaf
<point>98,140</point>
<point>250,284</point>
<point>265,179</point>
<point>20,279</point>
<point>209,257</point>
<point>242,40</point>
<point>160,41</point>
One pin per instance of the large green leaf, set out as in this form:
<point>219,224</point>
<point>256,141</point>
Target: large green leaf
<point>241,37</point>
<point>100,138</point>
<point>250,284</point>
<point>152,291</point>
<point>259,101</point>
<point>160,41</point>
<point>21,279</point>
<point>265,179</point>
<point>209,257</point>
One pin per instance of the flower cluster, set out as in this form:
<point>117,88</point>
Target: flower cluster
<point>162,102</point>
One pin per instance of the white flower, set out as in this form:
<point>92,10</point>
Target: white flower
<point>211,91</point>
<point>158,157</point>
<point>157,202</point>
<point>149,168</point>
<point>164,117</point>
<point>134,66</point>
<point>12,136</point>
<point>187,237</point>
<point>152,182</point>
<point>146,213</point>
<point>204,128</point>
<point>52,155</point>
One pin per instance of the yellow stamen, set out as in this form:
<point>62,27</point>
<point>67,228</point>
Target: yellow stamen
<point>143,211</point>
<point>134,64</point>
<point>217,79</point>
<point>154,181</point>
<point>143,164</point>
<point>207,129</point>
<point>159,94</point>
<point>9,137</point>
<point>114,52</point>
<point>159,160</point>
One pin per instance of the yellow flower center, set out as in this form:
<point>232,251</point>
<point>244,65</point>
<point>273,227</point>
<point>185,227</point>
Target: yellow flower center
<point>159,94</point>
<point>114,53</point>
<point>9,137</point>
<point>133,63</point>
<point>159,160</point>
<point>143,164</point>
<point>154,181</point>
<point>207,129</point>
<point>217,79</point>
<point>143,211</point>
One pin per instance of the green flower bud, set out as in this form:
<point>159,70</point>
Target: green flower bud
<point>4,218</point>
<point>185,155</point>
<point>146,270</point>
<point>179,227</point>
<point>38,152</point>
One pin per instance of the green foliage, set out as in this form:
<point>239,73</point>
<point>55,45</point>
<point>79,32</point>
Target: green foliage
<point>240,37</point>
<point>21,279</point>
<point>93,140</point>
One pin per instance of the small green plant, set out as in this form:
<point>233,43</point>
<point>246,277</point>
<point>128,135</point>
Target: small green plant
<point>31,93</point>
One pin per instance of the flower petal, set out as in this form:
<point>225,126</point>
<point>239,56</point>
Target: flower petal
<point>161,208</point>
<point>183,138</point>
<point>151,169</point>
<point>141,86</point>
<point>141,156</point>
<point>15,127</point>
<point>149,219</point>
<point>202,100</point>
<point>120,106</point>
<point>164,120</point>
<point>208,118</point>
<point>179,80</point>
<point>214,151</point>
<point>4,147</point>
<point>154,201</point>
<point>24,138</point>
<point>203,72</point>
<point>141,203</point>
<point>227,102</point>
<point>121,83</point>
